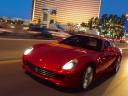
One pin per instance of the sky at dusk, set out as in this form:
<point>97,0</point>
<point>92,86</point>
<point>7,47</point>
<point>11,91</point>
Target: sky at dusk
<point>16,8</point>
<point>22,8</point>
<point>118,7</point>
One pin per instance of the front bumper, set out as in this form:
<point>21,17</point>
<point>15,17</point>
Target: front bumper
<point>70,80</point>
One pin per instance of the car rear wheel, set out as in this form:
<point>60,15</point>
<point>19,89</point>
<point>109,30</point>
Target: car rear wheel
<point>117,64</point>
<point>87,77</point>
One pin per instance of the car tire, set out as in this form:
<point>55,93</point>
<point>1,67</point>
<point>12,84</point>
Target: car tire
<point>87,77</point>
<point>117,64</point>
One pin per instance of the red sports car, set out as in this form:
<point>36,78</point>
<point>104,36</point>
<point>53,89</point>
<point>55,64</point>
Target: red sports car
<point>74,62</point>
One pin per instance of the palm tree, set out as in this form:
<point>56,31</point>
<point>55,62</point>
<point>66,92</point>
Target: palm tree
<point>90,23</point>
<point>104,23</point>
<point>104,20</point>
<point>123,19</point>
<point>96,24</point>
<point>83,24</point>
<point>96,21</point>
<point>116,24</point>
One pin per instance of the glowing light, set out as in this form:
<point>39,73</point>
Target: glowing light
<point>127,41</point>
<point>28,51</point>
<point>69,65</point>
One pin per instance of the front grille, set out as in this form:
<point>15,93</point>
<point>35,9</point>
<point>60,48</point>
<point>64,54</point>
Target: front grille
<point>43,72</point>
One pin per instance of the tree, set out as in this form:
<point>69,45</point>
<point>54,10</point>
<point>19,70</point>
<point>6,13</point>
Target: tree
<point>90,23</point>
<point>83,24</point>
<point>112,24</point>
<point>104,20</point>
<point>70,27</point>
<point>123,19</point>
<point>96,21</point>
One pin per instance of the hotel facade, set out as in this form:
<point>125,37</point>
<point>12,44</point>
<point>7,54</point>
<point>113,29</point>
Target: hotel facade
<point>64,11</point>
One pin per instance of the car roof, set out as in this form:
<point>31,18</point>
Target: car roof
<point>94,36</point>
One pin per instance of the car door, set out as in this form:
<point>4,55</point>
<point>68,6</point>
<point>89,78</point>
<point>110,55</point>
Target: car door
<point>107,56</point>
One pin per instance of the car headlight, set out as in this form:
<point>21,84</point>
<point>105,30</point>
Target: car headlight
<point>69,65</point>
<point>120,50</point>
<point>28,51</point>
<point>127,41</point>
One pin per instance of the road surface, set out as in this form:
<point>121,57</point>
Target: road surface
<point>14,82</point>
<point>13,48</point>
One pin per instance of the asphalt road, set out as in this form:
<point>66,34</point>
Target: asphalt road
<point>13,48</point>
<point>15,82</point>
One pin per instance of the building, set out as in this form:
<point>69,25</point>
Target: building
<point>64,11</point>
<point>37,6</point>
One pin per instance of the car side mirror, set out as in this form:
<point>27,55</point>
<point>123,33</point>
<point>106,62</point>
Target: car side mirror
<point>110,49</point>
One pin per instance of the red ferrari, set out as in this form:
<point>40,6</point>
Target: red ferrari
<point>74,62</point>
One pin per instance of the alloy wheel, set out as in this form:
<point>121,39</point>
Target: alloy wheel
<point>88,77</point>
<point>117,65</point>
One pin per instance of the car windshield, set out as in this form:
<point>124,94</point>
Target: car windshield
<point>83,42</point>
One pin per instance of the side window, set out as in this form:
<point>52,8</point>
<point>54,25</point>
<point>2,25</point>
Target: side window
<point>107,44</point>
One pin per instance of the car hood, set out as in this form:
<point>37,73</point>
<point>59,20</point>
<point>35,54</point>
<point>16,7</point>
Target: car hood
<point>54,56</point>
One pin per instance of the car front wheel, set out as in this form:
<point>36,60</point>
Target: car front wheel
<point>117,64</point>
<point>87,77</point>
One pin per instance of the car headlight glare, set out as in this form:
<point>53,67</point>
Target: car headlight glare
<point>127,41</point>
<point>120,50</point>
<point>28,51</point>
<point>69,65</point>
